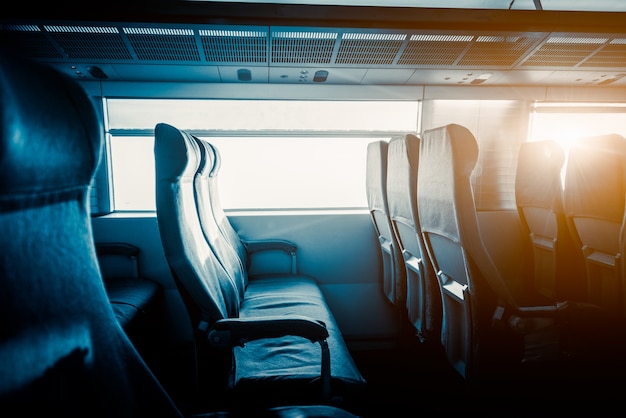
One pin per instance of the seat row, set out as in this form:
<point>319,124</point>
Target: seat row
<point>62,349</point>
<point>566,318</point>
<point>137,301</point>
<point>280,333</point>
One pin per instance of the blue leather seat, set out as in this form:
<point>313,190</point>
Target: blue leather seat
<point>493,335</point>
<point>558,268</point>
<point>63,352</point>
<point>595,183</point>
<point>286,345</point>
<point>423,296</point>
<point>393,274</point>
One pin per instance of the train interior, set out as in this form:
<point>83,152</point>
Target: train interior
<point>301,120</point>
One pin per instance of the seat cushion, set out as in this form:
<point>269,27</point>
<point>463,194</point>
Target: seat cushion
<point>132,297</point>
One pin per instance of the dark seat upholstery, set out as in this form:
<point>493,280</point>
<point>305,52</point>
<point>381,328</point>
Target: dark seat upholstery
<point>492,335</point>
<point>559,271</point>
<point>393,275</point>
<point>286,344</point>
<point>62,349</point>
<point>423,297</point>
<point>135,299</point>
<point>595,186</point>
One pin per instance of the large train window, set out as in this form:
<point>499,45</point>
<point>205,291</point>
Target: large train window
<point>275,154</point>
<point>567,122</point>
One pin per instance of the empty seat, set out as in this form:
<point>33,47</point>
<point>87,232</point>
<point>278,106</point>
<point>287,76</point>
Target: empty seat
<point>246,249</point>
<point>559,272</point>
<point>393,274</point>
<point>62,349</point>
<point>284,339</point>
<point>595,186</point>
<point>423,297</point>
<point>136,300</point>
<point>493,336</point>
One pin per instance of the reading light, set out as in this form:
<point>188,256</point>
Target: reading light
<point>320,76</point>
<point>481,78</point>
<point>97,72</point>
<point>244,74</point>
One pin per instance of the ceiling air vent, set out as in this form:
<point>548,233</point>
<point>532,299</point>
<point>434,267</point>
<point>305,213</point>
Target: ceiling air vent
<point>434,49</point>
<point>612,55</point>
<point>234,45</point>
<point>369,48</point>
<point>163,44</point>
<point>300,47</point>
<point>29,40</point>
<point>496,51</point>
<point>563,51</point>
<point>90,42</point>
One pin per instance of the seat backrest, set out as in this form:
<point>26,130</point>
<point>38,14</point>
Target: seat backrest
<point>206,194</point>
<point>63,352</point>
<point>558,263</point>
<point>207,289</point>
<point>393,271</point>
<point>423,300</point>
<point>223,223</point>
<point>471,285</point>
<point>595,186</point>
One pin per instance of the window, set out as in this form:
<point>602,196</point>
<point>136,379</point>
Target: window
<point>567,122</point>
<point>275,154</point>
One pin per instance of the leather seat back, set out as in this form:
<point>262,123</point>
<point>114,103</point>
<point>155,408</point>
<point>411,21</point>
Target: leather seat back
<point>208,290</point>
<point>595,186</point>
<point>471,285</point>
<point>423,300</point>
<point>63,351</point>
<point>558,263</point>
<point>206,195</point>
<point>393,275</point>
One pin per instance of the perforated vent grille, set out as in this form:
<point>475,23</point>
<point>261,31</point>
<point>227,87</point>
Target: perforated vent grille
<point>434,50</point>
<point>329,47</point>
<point>366,48</point>
<point>234,46</point>
<point>94,43</point>
<point>499,51</point>
<point>303,47</point>
<point>155,44</point>
<point>30,40</point>
<point>612,55</point>
<point>564,51</point>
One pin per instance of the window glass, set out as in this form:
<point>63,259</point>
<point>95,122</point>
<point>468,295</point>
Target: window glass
<point>568,122</point>
<point>288,155</point>
<point>273,115</point>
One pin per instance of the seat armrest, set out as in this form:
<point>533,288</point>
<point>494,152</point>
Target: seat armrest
<point>259,246</point>
<point>117,248</point>
<point>238,331</point>
<point>525,317</point>
<point>126,251</point>
<point>545,311</point>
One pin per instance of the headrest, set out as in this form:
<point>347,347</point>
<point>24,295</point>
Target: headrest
<point>448,155</point>
<point>376,175</point>
<point>175,158</point>
<point>207,160</point>
<point>402,163</point>
<point>595,178</point>
<point>454,146</point>
<point>50,136</point>
<point>538,176</point>
<point>217,160</point>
